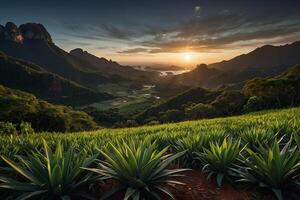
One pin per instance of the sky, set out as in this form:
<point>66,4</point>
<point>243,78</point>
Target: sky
<point>167,32</point>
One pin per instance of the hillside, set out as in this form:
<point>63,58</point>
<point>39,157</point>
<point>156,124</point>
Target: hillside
<point>96,64</point>
<point>266,58</point>
<point>32,42</point>
<point>262,62</point>
<point>256,94</point>
<point>193,136</point>
<point>195,95</point>
<point>48,86</point>
<point>17,106</point>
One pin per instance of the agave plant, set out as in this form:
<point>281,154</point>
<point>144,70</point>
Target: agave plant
<point>297,140</point>
<point>190,145</point>
<point>254,137</point>
<point>219,159</point>
<point>273,168</point>
<point>52,175</point>
<point>140,168</point>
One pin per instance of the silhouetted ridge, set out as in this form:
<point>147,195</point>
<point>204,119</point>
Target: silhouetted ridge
<point>34,31</point>
<point>32,42</point>
<point>264,61</point>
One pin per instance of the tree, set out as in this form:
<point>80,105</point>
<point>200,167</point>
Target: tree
<point>172,115</point>
<point>200,110</point>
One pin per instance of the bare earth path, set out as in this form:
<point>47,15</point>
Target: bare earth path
<point>199,188</point>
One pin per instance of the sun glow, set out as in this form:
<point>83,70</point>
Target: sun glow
<point>187,56</point>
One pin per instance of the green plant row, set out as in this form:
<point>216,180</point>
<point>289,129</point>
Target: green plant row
<point>260,150</point>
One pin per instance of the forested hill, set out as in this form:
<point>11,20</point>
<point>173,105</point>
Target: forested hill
<point>17,106</point>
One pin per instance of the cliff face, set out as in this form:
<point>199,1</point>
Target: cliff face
<point>28,31</point>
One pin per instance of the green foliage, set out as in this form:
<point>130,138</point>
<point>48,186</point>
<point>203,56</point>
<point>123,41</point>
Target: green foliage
<point>218,159</point>
<point>190,145</point>
<point>194,95</point>
<point>25,128</point>
<point>52,175</point>
<point>254,137</point>
<point>229,103</point>
<point>172,115</point>
<point>279,91</point>
<point>141,169</point>
<point>203,136</point>
<point>257,94</point>
<point>17,106</point>
<point>199,111</point>
<point>254,103</point>
<point>35,79</point>
<point>274,168</point>
<point>153,122</point>
<point>110,117</point>
<point>7,128</point>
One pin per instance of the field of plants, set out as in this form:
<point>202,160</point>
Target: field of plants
<point>257,153</point>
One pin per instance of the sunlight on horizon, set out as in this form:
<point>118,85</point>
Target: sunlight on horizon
<point>184,59</point>
<point>187,56</point>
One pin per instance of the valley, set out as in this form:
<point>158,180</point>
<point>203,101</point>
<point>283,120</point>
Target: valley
<point>149,100</point>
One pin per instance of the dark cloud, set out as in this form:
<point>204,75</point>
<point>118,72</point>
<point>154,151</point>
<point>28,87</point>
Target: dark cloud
<point>222,30</point>
<point>115,32</point>
<point>135,50</point>
<point>160,26</point>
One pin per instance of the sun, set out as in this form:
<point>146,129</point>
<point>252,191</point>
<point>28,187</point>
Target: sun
<point>187,56</point>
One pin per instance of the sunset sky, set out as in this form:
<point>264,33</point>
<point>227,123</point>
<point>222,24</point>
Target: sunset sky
<point>179,32</point>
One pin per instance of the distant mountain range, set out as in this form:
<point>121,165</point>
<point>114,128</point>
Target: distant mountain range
<point>32,42</point>
<point>19,74</point>
<point>104,66</point>
<point>264,61</point>
<point>256,94</point>
<point>56,75</point>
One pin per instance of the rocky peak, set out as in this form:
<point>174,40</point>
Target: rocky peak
<point>28,31</point>
<point>2,30</point>
<point>34,31</point>
<point>12,33</point>
<point>77,51</point>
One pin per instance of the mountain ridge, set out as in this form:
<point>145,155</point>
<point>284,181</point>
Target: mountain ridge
<point>264,61</point>
<point>46,85</point>
<point>32,42</point>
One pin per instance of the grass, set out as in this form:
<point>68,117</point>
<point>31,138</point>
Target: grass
<point>275,120</point>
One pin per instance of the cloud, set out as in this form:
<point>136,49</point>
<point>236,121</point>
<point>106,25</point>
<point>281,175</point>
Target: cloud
<point>134,50</point>
<point>101,31</point>
<point>116,32</point>
<point>197,10</point>
<point>222,31</point>
<point>212,30</point>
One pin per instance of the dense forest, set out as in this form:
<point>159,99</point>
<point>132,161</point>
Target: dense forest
<point>17,106</point>
<point>256,94</point>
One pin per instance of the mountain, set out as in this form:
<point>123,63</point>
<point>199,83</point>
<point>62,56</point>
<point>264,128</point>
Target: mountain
<point>17,106</point>
<point>19,74</point>
<point>262,62</point>
<point>96,64</point>
<point>194,95</point>
<point>32,42</point>
<point>266,58</point>
<point>276,91</point>
<point>200,76</point>
<point>256,94</point>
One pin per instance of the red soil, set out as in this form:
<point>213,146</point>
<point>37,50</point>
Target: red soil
<point>196,187</point>
<point>199,188</point>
